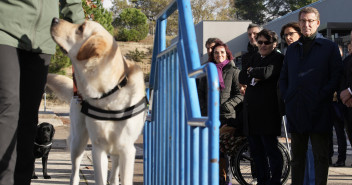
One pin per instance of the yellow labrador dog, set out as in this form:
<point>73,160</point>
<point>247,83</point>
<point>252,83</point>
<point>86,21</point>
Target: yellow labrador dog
<point>112,112</point>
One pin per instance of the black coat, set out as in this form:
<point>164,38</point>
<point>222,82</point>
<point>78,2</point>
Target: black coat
<point>346,82</point>
<point>261,112</point>
<point>307,84</point>
<point>251,51</point>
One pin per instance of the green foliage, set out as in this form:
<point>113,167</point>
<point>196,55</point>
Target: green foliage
<point>119,5</point>
<point>136,55</point>
<point>132,25</point>
<point>250,10</point>
<point>96,12</point>
<point>262,11</point>
<point>201,10</point>
<point>58,62</point>
<point>151,8</point>
<point>276,8</point>
<point>297,4</point>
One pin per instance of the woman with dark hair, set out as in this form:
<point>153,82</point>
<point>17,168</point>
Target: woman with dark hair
<point>290,32</point>
<point>262,120</point>
<point>230,97</point>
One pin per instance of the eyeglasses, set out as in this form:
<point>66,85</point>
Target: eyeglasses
<point>309,21</point>
<point>289,34</point>
<point>264,42</point>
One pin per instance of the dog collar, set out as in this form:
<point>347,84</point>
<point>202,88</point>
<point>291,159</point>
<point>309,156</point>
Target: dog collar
<point>117,87</point>
<point>114,115</point>
<point>43,145</point>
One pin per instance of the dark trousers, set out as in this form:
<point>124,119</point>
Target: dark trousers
<point>22,80</point>
<point>263,148</point>
<point>340,134</point>
<point>341,141</point>
<point>320,146</point>
<point>348,128</point>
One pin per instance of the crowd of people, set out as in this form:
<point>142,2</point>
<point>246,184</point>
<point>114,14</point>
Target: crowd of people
<point>299,83</point>
<point>306,84</point>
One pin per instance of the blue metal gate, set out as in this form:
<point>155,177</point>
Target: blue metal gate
<point>180,146</point>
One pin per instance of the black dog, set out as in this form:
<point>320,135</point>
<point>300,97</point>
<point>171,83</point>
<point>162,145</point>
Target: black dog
<point>42,146</point>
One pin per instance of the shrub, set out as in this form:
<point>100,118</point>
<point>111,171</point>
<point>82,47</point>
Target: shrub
<point>132,25</point>
<point>150,50</point>
<point>95,11</point>
<point>136,55</point>
<point>58,62</point>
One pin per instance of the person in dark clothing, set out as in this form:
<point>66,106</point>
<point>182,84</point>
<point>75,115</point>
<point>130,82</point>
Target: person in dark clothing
<point>309,77</point>
<point>345,94</point>
<point>262,120</point>
<point>338,118</point>
<point>291,32</point>
<point>26,47</point>
<point>230,97</point>
<point>252,48</point>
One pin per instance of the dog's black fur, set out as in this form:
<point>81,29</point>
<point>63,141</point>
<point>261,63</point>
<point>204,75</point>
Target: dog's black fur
<point>42,146</point>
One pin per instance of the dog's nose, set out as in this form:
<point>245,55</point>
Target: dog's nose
<point>55,21</point>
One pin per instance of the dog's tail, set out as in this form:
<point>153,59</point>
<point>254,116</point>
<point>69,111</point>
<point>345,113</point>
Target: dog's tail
<point>62,86</point>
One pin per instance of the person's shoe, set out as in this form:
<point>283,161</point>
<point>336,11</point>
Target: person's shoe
<point>339,164</point>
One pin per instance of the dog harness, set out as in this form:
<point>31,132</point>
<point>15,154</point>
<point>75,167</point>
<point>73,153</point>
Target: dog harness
<point>114,115</point>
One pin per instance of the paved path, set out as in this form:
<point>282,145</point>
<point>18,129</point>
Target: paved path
<point>59,164</point>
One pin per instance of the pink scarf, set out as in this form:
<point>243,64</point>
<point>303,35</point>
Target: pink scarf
<point>219,66</point>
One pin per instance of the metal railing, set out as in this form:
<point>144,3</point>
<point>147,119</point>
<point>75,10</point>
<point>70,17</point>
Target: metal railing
<point>180,146</point>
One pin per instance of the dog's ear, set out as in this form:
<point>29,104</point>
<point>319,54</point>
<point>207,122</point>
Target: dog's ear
<point>95,46</point>
<point>52,132</point>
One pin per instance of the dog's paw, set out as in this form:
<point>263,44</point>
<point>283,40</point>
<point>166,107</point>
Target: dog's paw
<point>34,177</point>
<point>47,177</point>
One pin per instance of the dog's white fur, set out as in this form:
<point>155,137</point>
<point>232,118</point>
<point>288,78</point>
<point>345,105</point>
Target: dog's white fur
<point>99,66</point>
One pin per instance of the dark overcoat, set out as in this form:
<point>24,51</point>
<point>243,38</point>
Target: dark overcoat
<point>307,84</point>
<point>261,111</point>
<point>346,82</point>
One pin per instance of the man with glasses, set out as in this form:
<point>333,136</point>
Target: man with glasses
<point>309,77</point>
<point>252,47</point>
